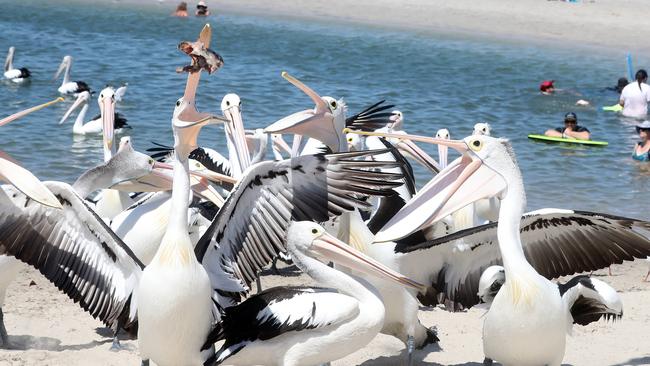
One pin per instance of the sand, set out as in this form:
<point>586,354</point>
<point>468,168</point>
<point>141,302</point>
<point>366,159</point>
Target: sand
<point>609,25</point>
<point>51,330</point>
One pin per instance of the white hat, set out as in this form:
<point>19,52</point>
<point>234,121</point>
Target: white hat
<point>643,125</point>
<point>201,3</point>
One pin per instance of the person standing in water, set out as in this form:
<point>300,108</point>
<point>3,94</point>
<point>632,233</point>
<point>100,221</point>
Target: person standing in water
<point>571,129</point>
<point>202,9</point>
<point>642,148</point>
<point>181,10</point>
<point>635,96</point>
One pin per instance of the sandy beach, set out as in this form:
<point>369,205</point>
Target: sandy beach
<point>608,25</point>
<point>51,330</point>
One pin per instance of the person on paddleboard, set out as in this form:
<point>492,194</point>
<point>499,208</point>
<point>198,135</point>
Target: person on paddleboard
<point>571,129</point>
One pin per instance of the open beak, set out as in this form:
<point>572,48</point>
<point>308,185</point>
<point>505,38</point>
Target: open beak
<point>189,124</point>
<point>26,182</point>
<point>464,181</point>
<point>317,123</point>
<point>193,78</point>
<point>27,111</point>
<point>235,130</point>
<point>280,145</point>
<point>331,248</point>
<point>413,150</point>
<point>75,105</point>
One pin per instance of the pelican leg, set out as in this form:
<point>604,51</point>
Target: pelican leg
<point>4,337</point>
<point>144,363</point>
<point>410,346</point>
<point>115,345</point>
<point>487,362</point>
<point>258,282</point>
<point>646,276</point>
<point>609,270</point>
<point>274,267</point>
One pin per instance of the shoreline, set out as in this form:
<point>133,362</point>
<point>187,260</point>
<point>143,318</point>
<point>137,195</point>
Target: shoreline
<point>606,26</point>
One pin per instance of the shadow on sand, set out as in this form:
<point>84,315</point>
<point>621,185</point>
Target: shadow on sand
<point>645,360</point>
<point>28,342</point>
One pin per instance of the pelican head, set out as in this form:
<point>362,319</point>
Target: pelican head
<point>311,239</point>
<point>482,128</point>
<point>187,123</point>
<point>355,142</point>
<point>82,98</point>
<point>397,119</point>
<point>324,123</point>
<point>66,63</point>
<point>231,109</point>
<point>106,101</point>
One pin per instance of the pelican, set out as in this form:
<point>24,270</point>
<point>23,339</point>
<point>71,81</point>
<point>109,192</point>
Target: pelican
<point>279,146</point>
<point>16,75</point>
<point>443,133</point>
<point>93,126</point>
<point>69,87</point>
<point>293,326</point>
<point>482,128</point>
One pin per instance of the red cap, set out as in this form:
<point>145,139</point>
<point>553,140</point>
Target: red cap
<point>546,84</point>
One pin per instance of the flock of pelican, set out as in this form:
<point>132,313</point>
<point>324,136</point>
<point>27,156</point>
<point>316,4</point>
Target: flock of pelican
<point>174,264</point>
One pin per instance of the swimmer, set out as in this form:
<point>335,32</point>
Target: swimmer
<point>635,96</point>
<point>546,87</point>
<point>642,148</point>
<point>571,129</point>
<point>181,10</point>
<point>202,9</point>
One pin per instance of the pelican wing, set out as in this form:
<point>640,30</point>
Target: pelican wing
<point>555,243</point>
<point>74,249</point>
<point>590,299</point>
<point>278,311</point>
<point>250,229</point>
<point>371,118</point>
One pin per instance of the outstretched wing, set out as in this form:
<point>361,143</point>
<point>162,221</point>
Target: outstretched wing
<point>371,118</point>
<point>555,243</point>
<point>74,249</point>
<point>250,229</point>
<point>590,299</point>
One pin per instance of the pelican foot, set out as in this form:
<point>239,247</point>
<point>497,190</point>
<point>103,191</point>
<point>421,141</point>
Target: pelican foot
<point>144,363</point>
<point>487,362</point>
<point>115,346</point>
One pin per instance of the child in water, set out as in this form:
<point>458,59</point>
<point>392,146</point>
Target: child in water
<point>202,9</point>
<point>642,148</point>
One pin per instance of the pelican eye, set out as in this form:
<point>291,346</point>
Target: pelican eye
<point>476,145</point>
<point>178,103</point>
<point>228,103</point>
<point>349,139</point>
<point>314,231</point>
<point>333,104</point>
<point>150,161</point>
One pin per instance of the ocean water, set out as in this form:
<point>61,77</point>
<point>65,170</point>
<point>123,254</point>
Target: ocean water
<point>435,80</point>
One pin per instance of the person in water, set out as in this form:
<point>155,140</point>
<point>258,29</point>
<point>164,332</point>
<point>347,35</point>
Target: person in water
<point>642,148</point>
<point>546,87</point>
<point>181,10</point>
<point>571,129</point>
<point>635,96</point>
<point>202,9</point>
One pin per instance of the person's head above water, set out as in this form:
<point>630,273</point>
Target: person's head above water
<point>622,83</point>
<point>643,129</point>
<point>182,6</point>
<point>570,118</point>
<point>546,87</point>
<point>641,76</point>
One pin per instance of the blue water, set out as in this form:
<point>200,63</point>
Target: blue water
<point>437,81</point>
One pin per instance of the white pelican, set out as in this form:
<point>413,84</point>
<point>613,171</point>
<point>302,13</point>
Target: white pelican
<point>16,75</point>
<point>93,126</point>
<point>527,321</point>
<point>482,128</point>
<point>69,87</point>
<point>238,152</point>
<point>294,326</point>
<point>443,133</point>
<point>279,146</point>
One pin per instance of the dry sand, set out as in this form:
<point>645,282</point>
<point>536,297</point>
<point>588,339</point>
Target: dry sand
<point>611,25</point>
<point>52,330</point>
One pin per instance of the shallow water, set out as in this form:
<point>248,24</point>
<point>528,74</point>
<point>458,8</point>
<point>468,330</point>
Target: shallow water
<point>435,80</point>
